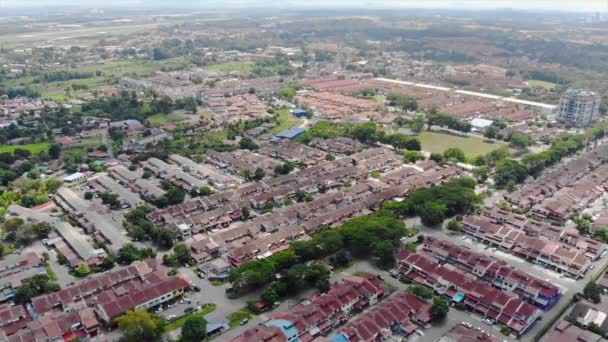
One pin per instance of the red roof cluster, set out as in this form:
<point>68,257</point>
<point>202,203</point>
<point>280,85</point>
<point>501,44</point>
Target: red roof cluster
<point>505,307</point>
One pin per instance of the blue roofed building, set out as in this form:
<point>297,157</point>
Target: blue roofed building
<point>300,113</point>
<point>290,134</point>
<point>337,338</point>
<point>287,327</point>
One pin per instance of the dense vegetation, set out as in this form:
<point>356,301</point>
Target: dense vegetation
<point>365,133</point>
<point>376,235</point>
<point>435,204</point>
<point>510,172</point>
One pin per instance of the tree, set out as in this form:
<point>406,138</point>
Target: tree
<point>140,325</point>
<point>24,293</point>
<point>412,156</point>
<point>245,212</point>
<point>593,292</point>
<point>432,213</point>
<point>159,54</point>
<point>248,144</point>
<point>322,285</point>
<point>284,168</point>
<point>13,224</point>
<point>288,93</point>
<point>520,141</point>
<point>481,173</point>
<point>417,124</point>
<point>55,151</point>
<point>164,238</point>
<point>406,103</point>
<point>421,291</point>
<point>509,171</point>
<point>182,253</point>
<point>88,195</point>
<point>175,196</point>
<point>33,174</point>
<point>259,174</point>
<point>42,229</point>
<point>205,191</point>
<point>439,310</point>
<point>110,199</point>
<point>454,225</point>
<point>61,259</point>
<point>82,269</point>
<point>454,154</point>
<point>270,296</point>
<point>491,132</point>
<point>385,252</point>
<point>194,330</point>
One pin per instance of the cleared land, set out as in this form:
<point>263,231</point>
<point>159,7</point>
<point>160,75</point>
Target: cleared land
<point>110,73</point>
<point>436,142</point>
<point>164,119</point>
<point>286,121</point>
<point>541,84</point>
<point>34,148</point>
<point>232,66</point>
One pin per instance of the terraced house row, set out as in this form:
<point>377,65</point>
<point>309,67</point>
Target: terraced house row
<point>267,234</point>
<point>476,295</point>
<point>331,314</point>
<point>564,251</point>
<point>81,309</point>
<point>561,176</point>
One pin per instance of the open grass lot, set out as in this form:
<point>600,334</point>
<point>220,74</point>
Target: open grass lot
<point>164,119</point>
<point>542,84</point>
<point>237,316</point>
<point>232,66</point>
<point>286,121</point>
<point>34,148</point>
<point>92,142</point>
<point>178,323</point>
<point>111,73</point>
<point>436,142</point>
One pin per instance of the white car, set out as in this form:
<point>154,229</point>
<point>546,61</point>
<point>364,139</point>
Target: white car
<point>159,310</point>
<point>171,317</point>
<point>467,324</point>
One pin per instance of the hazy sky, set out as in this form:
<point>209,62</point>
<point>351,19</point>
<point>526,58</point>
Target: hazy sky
<point>566,5</point>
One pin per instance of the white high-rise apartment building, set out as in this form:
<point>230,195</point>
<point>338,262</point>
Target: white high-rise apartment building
<point>579,108</point>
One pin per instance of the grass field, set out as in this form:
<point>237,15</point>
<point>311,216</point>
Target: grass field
<point>34,148</point>
<point>111,72</point>
<point>542,84</point>
<point>237,316</point>
<point>164,119</point>
<point>232,66</point>
<point>286,121</point>
<point>93,142</point>
<point>436,142</point>
<point>178,323</point>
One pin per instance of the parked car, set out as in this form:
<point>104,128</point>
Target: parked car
<point>171,318</point>
<point>188,309</point>
<point>244,321</point>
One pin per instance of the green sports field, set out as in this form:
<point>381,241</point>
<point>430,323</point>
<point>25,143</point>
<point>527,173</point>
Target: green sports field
<point>437,142</point>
